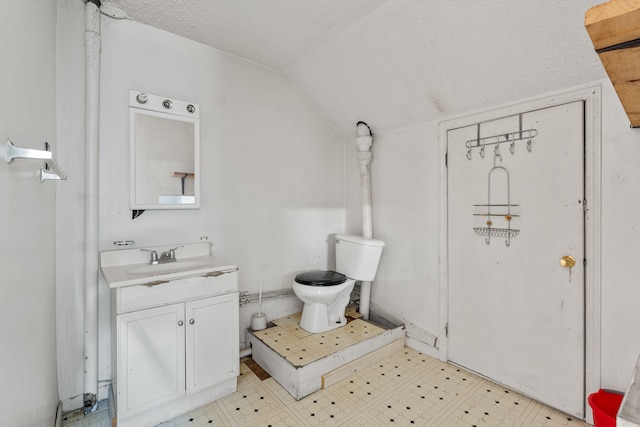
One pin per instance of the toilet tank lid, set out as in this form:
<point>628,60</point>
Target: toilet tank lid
<point>359,240</point>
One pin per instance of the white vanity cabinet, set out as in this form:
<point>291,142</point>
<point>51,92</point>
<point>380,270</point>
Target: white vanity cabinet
<point>177,346</point>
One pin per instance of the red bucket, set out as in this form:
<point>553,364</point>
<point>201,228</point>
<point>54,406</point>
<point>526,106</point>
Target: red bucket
<point>605,405</point>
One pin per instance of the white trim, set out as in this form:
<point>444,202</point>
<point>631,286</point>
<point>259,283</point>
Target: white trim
<point>413,331</point>
<point>443,250</point>
<point>593,243</point>
<point>591,96</point>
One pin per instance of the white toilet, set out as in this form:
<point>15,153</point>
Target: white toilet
<point>326,294</point>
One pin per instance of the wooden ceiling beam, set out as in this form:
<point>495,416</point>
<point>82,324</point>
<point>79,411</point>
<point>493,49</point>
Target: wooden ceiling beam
<point>614,28</point>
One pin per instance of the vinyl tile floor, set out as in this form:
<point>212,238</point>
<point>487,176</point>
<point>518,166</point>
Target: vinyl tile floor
<point>405,389</point>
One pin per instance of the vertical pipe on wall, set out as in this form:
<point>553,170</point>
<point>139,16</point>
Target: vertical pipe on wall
<point>91,132</point>
<point>364,140</point>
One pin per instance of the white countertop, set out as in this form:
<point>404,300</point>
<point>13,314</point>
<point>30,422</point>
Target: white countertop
<point>130,267</point>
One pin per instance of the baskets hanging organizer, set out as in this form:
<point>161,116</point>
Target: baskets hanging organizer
<point>493,210</point>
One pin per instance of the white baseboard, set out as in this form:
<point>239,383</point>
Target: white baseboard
<point>422,347</point>
<point>73,403</point>
<point>414,333</point>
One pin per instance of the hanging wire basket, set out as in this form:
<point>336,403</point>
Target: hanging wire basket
<point>503,233</point>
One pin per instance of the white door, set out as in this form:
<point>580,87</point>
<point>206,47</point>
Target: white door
<point>150,357</point>
<point>516,315</point>
<point>212,344</point>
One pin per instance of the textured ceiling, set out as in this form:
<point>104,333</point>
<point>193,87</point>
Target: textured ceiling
<point>395,63</point>
<point>276,33</point>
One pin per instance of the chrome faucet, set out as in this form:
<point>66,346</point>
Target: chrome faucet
<point>154,256</point>
<point>170,255</point>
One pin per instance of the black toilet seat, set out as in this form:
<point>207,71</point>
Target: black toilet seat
<point>321,278</point>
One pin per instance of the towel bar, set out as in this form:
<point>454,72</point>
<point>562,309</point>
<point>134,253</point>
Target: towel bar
<point>51,169</point>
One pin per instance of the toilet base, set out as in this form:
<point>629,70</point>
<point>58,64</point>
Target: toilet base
<point>324,306</point>
<point>315,319</point>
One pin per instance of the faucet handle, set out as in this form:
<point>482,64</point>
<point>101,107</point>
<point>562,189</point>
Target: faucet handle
<point>172,252</point>
<point>154,255</point>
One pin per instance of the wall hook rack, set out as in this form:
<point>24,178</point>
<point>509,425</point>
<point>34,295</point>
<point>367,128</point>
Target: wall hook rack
<point>51,169</point>
<point>509,137</point>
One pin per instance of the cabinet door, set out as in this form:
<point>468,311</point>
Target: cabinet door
<point>212,341</point>
<point>150,357</point>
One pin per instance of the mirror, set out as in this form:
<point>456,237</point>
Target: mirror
<point>164,138</point>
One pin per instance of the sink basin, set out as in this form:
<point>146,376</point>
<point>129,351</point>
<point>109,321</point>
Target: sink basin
<point>167,268</point>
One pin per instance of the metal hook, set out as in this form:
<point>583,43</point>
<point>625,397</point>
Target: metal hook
<point>529,145</point>
<point>482,152</point>
<point>496,153</point>
<point>507,242</point>
<point>469,154</point>
<point>512,147</point>
<point>487,240</point>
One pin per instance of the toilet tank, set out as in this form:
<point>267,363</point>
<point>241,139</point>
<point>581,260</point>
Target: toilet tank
<point>357,257</point>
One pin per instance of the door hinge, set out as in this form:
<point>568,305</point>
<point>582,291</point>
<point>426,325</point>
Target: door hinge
<point>446,159</point>
<point>446,330</point>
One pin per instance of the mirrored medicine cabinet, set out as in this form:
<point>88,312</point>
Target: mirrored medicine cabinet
<point>164,144</point>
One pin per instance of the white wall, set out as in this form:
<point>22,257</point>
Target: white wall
<point>405,198</point>
<point>620,243</point>
<point>28,395</point>
<point>69,203</point>
<point>272,171</point>
<point>407,222</point>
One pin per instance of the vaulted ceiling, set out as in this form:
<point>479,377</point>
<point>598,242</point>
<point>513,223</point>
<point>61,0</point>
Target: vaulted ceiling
<point>394,63</point>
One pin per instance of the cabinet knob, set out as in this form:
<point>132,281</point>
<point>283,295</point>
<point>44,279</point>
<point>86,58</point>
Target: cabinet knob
<point>180,323</point>
<point>192,321</point>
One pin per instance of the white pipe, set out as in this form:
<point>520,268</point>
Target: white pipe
<point>91,133</point>
<point>111,10</point>
<point>364,141</point>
